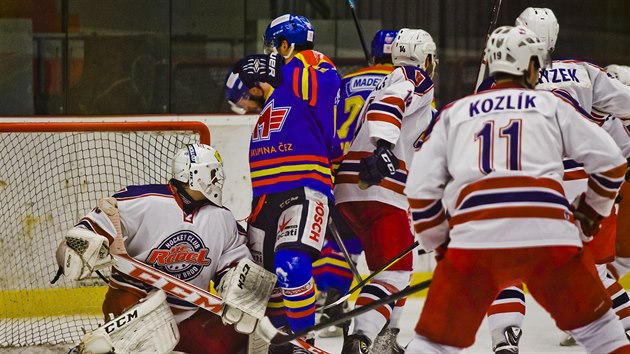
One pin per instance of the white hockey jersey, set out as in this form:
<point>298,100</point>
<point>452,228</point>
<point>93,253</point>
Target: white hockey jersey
<point>590,85</point>
<point>398,111</point>
<point>194,248</point>
<point>494,160</point>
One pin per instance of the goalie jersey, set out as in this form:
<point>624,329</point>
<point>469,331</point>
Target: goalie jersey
<point>291,145</point>
<point>196,248</point>
<point>494,160</point>
<point>398,111</point>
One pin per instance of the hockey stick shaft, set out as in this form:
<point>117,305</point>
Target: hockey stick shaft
<point>282,338</point>
<point>156,278</point>
<point>494,15</point>
<point>371,276</point>
<point>335,232</point>
<point>357,24</point>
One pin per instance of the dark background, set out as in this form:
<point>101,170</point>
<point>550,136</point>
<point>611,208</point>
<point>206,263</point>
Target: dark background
<point>100,57</point>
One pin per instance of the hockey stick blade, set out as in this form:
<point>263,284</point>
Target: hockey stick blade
<point>371,276</point>
<point>280,338</point>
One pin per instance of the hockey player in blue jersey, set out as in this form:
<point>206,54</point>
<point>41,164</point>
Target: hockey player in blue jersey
<point>290,164</point>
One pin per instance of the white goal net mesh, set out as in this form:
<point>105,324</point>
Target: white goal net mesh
<point>48,181</point>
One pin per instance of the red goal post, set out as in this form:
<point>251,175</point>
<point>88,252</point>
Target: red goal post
<point>52,174</point>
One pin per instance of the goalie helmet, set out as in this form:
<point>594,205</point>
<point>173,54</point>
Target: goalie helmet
<point>509,50</point>
<point>201,167</point>
<point>382,44</point>
<point>296,30</point>
<point>619,72</point>
<point>542,22</point>
<point>412,47</point>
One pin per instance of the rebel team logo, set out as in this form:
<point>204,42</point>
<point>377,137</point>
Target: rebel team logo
<point>271,120</point>
<point>182,254</point>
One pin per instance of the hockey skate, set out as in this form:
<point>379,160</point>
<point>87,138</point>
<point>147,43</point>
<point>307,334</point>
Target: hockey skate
<point>568,341</point>
<point>387,342</point>
<point>356,343</point>
<point>288,348</point>
<point>333,312</point>
<point>509,345</point>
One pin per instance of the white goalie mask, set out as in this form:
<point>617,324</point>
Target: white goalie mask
<point>412,46</point>
<point>543,22</point>
<point>201,167</point>
<point>509,50</point>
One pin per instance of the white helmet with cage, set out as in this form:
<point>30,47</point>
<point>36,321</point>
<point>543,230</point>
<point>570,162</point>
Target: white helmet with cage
<point>509,50</point>
<point>543,22</point>
<point>201,167</point>
<point>619,72</point>
<point>412,47</point>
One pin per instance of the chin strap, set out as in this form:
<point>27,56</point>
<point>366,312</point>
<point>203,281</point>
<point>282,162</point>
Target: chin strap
<point>184,200</point>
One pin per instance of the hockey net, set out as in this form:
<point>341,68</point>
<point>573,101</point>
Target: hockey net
<point>52,174</point>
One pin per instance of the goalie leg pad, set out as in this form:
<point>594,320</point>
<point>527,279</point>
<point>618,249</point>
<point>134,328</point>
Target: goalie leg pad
<point>245,290</point>
<point>148,326</point>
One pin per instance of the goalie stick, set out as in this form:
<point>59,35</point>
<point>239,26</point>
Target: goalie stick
<point>367,279</point>
<point>494,15</point>
<point>170,284</point>
<point>276,337</point>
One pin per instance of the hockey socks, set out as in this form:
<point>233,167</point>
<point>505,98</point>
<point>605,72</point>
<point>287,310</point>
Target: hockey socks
<point>294,270</point>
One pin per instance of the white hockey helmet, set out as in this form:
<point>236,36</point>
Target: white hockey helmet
<point>509,50</point>
<point>619,72</point>
<point>201,167</point>
<point>412,46</point>
<point>543,22</point>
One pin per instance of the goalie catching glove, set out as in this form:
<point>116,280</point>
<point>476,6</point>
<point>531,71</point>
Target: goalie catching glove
<point>245,290</point>
<point>586,218</point>
<point>382,163</point>
<point>82,252</point>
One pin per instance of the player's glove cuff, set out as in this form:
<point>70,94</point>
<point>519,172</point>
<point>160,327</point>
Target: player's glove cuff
<point>382,163</point>
<point>587,219</point>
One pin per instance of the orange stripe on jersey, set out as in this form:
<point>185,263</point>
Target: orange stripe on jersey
<point>296,82</point>
<point>601,191</point>
<point>616,172</point>
<point>296,158</point>
<point>425,225</point>
<point>420,203</point>
<point>511,212</point>
<point>354,179</point>
<point>396,101</point>
<point>290,178</point>
<point>508,182</point>
<point>313,100</point>
<point>504,308</point>
<point>375,116</point>
<point>574,175</point>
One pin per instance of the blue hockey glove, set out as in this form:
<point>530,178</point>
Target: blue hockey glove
<point>382,163</point>
<point>257,68</point>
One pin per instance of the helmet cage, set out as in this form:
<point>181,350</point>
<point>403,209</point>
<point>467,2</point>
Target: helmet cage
<point>201,167</point>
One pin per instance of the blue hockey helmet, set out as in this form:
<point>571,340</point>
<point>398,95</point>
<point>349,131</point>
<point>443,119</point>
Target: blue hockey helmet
<point>235,90</point>
<point>295,29</point>
<point>382,43</point>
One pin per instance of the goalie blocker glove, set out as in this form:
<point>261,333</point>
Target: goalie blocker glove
<point>586,218</point>
<point>382,163</point>
<point>257,68</point>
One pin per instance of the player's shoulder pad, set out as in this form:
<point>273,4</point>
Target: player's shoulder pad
<point>131,192</point>
<point>421,80</point>
<point>565,96</point>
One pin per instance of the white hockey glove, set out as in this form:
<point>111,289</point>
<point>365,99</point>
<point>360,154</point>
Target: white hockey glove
<point>147,327</point>
<point>245,290</point>
<point>82,252</point>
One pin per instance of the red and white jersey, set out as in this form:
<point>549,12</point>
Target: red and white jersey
<point>398,111</point>
<point>590,85</point>
<point>494,161</point>
<point>194,248</point>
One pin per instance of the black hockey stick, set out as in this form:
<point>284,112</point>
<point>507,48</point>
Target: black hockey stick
<point>359,30</point>
<point>371,276</point>
<point>342,247</point>
<point>266,328</point>
<point>494,15</point>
